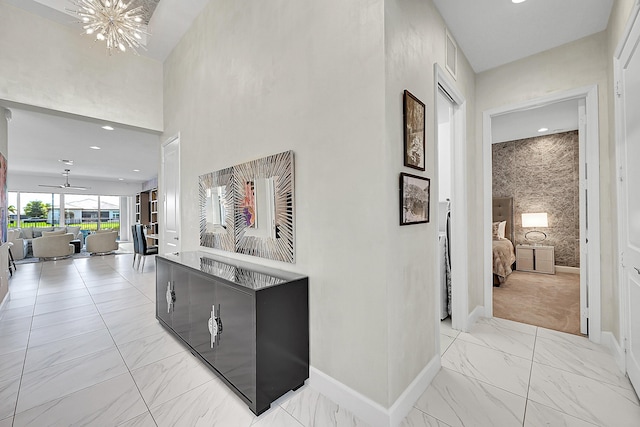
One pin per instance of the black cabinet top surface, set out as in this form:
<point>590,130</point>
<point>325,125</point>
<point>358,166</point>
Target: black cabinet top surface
<point>247,275</point>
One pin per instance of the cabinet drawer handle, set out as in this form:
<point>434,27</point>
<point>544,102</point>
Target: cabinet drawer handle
<point>214,324</point>
<point>170,296</point>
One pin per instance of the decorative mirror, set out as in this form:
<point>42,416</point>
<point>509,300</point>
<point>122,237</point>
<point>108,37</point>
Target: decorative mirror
<point>216,210</point>
<point>264,214</point>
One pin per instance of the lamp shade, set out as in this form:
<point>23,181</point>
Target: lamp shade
<point>534,220</point>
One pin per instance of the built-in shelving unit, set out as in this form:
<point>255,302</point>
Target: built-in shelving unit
<point>153,215</point>
<point>147,213</point>
<point>142,208</point>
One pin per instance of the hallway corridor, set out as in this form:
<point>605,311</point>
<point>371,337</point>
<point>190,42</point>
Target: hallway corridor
<point>80,345</point>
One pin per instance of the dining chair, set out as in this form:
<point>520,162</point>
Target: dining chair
<point>136,249</point>
<point>143,249</point>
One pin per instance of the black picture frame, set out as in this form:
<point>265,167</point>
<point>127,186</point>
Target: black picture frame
<point>414,112</point>
<point>415,195</point>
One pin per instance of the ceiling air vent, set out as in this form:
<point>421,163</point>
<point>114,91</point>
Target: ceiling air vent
<point>451,50</point>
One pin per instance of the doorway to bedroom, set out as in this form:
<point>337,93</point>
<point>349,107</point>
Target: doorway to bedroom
<point>536,180</point>
<point>536,214</point>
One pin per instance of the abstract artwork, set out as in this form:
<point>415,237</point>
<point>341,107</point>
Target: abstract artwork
<point>414,199</point>
<point>414,132</point>
<point>248,205</point>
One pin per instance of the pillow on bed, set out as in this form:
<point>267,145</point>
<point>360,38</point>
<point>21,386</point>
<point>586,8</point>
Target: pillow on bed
<point>501,229</point>
<point>498,230</point>
<point>495,230</point>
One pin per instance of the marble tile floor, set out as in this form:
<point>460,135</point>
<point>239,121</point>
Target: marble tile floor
<point>505,373</point>
<point>80,345</point>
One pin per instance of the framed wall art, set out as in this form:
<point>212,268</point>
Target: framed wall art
<point>414,132</point>
<point>414,199</point>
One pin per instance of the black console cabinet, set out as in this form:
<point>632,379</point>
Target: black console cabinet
<point>248,323</point>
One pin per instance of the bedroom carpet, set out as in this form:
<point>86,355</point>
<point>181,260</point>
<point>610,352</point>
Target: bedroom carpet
<point>548,300</point>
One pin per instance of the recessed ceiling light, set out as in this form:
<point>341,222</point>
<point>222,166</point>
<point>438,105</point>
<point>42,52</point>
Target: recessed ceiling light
<point>120,179</point>
<point>543,129</point>
<point>136,170</point>
<point>517,1</point>
<point>95,147</point>
<point>66,162</point>
<point>107,127</point>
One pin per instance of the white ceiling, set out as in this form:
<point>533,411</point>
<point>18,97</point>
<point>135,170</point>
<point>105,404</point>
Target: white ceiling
<point>558,117</point>
<point>495,32</point>
<point>38,140</point>
<point>489,32</point>
<point>170,21</point>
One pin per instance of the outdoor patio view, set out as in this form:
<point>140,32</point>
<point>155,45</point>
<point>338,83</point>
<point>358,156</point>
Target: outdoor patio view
<point>41,210</point>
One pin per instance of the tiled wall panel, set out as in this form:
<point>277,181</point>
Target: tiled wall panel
<point>541,174</point>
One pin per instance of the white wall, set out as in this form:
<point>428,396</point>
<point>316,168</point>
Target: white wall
<point>47,64</point>
<point>580,63</point>
<point>4,150</point>
<point>414,41</point>
<point>250,79</point>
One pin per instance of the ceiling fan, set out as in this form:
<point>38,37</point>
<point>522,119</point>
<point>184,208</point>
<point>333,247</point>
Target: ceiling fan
<point>66,183</point>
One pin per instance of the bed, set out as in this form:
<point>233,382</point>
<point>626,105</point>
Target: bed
<point>503,251</point>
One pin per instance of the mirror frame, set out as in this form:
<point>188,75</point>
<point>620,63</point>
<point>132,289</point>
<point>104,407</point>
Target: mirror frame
<point>282,246</point>
<point>224,241</point>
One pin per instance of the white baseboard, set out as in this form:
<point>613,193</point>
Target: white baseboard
<point>610,341</point>
<point>366,409</point>
<point>403,404</point>
<point>477,313</point>
<point>565,269</point>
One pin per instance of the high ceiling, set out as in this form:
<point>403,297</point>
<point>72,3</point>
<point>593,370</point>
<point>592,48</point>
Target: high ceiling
<point>169,21</point>
<point>489,32</point>
<point>39,138</point>
<point>495,32</point>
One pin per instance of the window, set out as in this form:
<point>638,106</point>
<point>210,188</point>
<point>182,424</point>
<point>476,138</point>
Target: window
<point>90,212</point>
<point>38,209</point>
<point>110,212</point>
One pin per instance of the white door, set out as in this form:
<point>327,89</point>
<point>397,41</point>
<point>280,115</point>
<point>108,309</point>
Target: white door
<point>171,195</point>
<point>445,109</point>
<point>629,201</point>
<point>584,201</point>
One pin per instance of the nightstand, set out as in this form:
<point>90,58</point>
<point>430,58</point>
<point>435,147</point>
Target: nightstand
<point>537,259</point>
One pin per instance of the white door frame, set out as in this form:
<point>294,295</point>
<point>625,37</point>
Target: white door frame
<point>459,228</point>
<point>163,195</point>
<point>627,42</point>
<point>592,157</point>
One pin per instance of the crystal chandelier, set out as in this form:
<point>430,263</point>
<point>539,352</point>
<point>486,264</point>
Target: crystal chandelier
<point>114,22</point>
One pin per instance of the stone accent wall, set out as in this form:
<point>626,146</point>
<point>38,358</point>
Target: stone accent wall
<point>542,175</point>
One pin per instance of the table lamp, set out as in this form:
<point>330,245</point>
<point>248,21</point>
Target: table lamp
<point>535,220</point>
